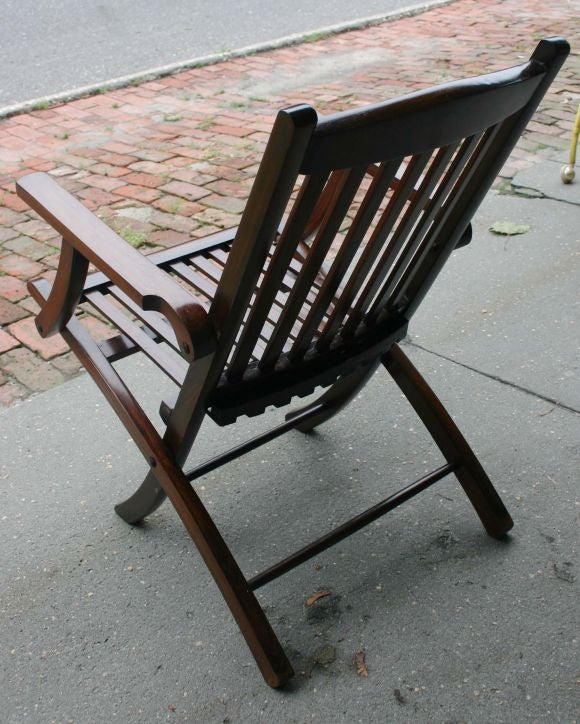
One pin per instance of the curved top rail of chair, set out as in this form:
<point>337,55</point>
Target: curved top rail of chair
<point>392,138</point>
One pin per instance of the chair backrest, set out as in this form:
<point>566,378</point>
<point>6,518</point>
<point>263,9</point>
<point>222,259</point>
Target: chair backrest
<point>392,187</point>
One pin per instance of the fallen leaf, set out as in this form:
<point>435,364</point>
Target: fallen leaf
<point>172,707</point>
<point>311,600</point>
<point>508,228</point>
<point>361,667</point>
<point>399,698</point>
<point>563,571</point>
<point>325,655</point>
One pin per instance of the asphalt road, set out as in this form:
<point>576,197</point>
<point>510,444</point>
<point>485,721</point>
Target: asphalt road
<point>56,45</point>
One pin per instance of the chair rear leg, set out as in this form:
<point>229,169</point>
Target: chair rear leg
<point>471,475</point>
<point>143,502</point>
<point>335,398</point>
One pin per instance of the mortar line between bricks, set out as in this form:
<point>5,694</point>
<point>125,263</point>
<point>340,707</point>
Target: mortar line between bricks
<point>214,58</point>
<point>496,378</point>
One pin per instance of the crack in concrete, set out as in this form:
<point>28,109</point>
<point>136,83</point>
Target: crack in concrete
<point>517,191</point>
<point>496,378</point>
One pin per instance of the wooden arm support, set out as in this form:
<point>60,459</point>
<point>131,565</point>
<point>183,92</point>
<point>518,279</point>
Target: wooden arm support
<point>87,239</point>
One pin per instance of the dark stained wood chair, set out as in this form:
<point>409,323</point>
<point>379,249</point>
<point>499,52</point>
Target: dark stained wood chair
<point>315,288</point>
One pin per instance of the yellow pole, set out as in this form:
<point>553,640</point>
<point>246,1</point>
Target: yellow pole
<point>567,174</point>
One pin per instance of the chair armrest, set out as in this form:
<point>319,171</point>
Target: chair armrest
<point>88,239</point>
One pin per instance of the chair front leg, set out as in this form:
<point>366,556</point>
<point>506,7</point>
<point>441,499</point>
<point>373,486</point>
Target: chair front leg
<point>144,501</point>
<point>242,602</point>
<point>471,475</point>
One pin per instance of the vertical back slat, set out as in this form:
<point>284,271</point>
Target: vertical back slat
<point>429,250</point>
<point>404,226</point>
<point>402,191</point>
<point>325,235</point>
<point>293,231</point>
<point>382,178</point>
<point>431,209</point>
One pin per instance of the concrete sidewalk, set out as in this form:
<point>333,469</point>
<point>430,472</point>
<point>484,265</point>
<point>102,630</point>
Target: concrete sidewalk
<point>104,622</point>
<point>175,157</point>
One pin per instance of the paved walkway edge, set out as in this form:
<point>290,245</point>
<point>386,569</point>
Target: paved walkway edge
<point>165,70</point>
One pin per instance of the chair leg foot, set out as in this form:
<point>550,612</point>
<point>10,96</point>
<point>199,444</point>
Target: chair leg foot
<point>471,475</point>
<point>335,398</point>
<point>143,502</point>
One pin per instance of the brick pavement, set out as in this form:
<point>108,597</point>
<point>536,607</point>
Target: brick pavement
<point>174,158</point>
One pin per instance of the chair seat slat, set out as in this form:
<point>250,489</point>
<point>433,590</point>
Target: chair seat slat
<point>154,321</point>
<point>211,269</point>
<point>198,282</point>
<point>173,368</point>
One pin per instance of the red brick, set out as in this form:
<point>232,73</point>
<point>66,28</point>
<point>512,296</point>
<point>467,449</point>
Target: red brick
<point>30,305</point>
<point>175,205</point>
<point>68,364</point>
<point>168,237</point>
<point>10,312</point>
<point>9,217</point>
<point>12,289</point>
<point>149,167</point>
<point>240,132</point>
<point>173,221</point>
<point>14,202</point>
<point>25,331</point>
<point>36,229</point>
<point>97,197</point>
<point>29,248</point>
<point>106,183</point>
<point>116,147</point>
<point>105,169</point>
<point>225,203</point>
<point>20,267</point>
<point>31,371</point>
<point>230,188</point>
<point>192,176</point>
<point>139,193</point>
<point>7,341</point>
<point>7,234</point>
<point>185,190</point>
<point>217,217</point>
<point>98,330</point>
<point>144,179</point>
<point>152,154</point>
<point>117,159</point>
<point>10,393</point>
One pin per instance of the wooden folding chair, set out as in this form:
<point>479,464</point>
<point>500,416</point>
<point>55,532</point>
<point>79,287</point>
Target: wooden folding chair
<point>313,289</point>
